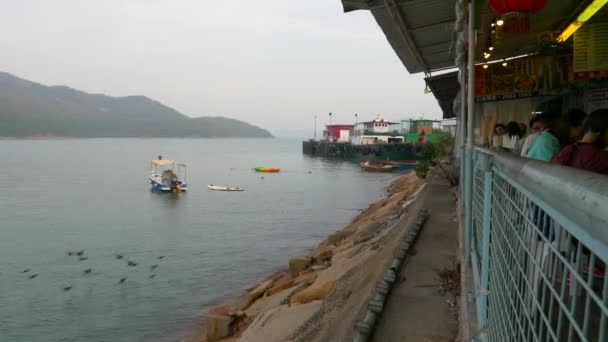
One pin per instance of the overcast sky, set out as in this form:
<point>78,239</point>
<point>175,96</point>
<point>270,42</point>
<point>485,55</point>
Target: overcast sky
<point>274,63</point>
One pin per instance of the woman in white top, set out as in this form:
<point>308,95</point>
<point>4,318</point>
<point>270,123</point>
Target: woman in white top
<point>537,125</point>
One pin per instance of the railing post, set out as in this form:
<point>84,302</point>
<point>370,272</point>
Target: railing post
<point>470,136</point>
<point>485,242</point>
<point>468,203</point>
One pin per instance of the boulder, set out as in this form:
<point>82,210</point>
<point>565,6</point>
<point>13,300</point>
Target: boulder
<point>219,323</point>
<point>344,247</point>
<point>307,276</point>
<point>318,290</point>
<point>323,253</point>
<point>336,237</point>
<point>259,291</point>
<point>318,268</point>
<point>281,284</point>
<point>298,264</point>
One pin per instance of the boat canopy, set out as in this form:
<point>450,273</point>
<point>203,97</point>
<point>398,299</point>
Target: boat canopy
<point>162,162</point>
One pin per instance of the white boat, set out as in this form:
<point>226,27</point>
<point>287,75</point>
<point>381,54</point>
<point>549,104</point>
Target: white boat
<point>167,175</point>
<point>223,188</point>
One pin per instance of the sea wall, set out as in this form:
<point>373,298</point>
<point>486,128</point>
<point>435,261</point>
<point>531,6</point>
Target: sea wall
<point>289,305</point>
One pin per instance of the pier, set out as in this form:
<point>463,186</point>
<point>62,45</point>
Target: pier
<point>347,150</point>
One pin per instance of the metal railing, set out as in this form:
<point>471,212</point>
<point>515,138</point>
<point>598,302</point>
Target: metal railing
<point>538,250</point>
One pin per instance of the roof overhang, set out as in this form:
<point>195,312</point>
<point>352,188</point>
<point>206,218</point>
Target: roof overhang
<point>420,31</point>
<point>445,88</point>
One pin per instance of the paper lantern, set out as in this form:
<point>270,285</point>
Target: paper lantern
<point>502,7</point>
<point>515,13</point>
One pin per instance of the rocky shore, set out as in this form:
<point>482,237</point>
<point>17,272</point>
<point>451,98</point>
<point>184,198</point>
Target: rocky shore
<point>321,294</point>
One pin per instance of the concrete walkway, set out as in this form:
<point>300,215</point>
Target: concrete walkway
<point>415,310</point>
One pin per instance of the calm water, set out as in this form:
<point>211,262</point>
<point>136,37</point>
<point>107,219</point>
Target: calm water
<point>58,196</point>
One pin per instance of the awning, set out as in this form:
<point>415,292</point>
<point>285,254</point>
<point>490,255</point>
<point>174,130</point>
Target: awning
<point>162,162</point>
<point>445,88</point>
<point>420,31</point>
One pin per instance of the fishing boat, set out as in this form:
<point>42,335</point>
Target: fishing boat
<point>376,167</point>
<point>224,188</point>
<point>401,164</point>
<point>267,169</point>
<point>167,175</point>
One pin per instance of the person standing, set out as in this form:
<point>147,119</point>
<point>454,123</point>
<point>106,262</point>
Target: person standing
<point>588,153</point>
<point>536,126</point>
<point>547,144</point>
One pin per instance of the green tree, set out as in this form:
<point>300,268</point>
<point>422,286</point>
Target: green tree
<point>432,155</point>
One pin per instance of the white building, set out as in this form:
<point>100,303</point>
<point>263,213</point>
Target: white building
<point>378,131</point>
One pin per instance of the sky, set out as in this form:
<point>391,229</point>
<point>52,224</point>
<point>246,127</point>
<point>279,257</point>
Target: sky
<point>273,63</point>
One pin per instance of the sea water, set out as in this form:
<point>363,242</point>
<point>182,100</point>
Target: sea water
<point>60,196</point>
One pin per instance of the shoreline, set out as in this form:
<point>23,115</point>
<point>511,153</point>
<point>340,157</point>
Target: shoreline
<point>278,307</point>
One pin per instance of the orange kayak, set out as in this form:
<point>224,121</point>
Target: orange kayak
<point>267,169</point>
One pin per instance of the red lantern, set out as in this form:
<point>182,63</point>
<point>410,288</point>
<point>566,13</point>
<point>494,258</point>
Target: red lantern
<point>502,7</point>
<point>515,13</point>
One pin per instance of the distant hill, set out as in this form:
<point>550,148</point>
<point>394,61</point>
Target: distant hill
<point>30,109</point>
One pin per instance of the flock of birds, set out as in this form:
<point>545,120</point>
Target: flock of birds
<point>87,271</point>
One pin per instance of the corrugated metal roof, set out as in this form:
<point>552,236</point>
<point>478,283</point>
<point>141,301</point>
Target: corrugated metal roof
<point>445,88</point>
<point>420,31</point>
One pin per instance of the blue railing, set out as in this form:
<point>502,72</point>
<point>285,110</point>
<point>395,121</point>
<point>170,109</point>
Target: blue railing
<point>538,246</point>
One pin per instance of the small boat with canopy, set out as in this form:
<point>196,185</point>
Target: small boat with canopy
<point>167,175</point>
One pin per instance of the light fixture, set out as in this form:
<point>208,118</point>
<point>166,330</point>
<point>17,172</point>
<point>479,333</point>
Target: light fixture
<point>504,63</point>
<point>500,22</point>
<point>485,65</point>
<point>492,24</point>
<point>486,55</point>
<point>585,15</point>
<point>491,48</point>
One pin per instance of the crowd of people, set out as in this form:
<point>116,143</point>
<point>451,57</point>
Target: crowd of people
<point>572,139</point>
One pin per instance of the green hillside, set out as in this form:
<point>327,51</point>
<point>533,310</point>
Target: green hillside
<point>30,109</point>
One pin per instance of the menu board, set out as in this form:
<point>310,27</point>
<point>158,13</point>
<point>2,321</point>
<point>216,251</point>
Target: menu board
<point>596,98</point>
<point>523,77</point>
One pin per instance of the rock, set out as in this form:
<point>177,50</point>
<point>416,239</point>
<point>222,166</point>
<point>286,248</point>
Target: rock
<point>222,309</point>
<point>317,268</point>
<point>298,264</point>
<point>279,324</point>
<point>219,323</point>
<point>336,237</point>
<point>281,284</point>
<point>307,276</point>
<point>363,237</point>
<point>259,291</point>
<point>344,246</point>
<point>323,253</point>
<point>316,291</point>
<point>268,302</point>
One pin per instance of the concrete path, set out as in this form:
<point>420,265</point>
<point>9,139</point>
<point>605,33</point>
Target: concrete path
<point>415,310</point>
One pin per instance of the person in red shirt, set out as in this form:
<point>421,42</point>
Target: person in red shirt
<point>422,138</point>
<point>588,153</point>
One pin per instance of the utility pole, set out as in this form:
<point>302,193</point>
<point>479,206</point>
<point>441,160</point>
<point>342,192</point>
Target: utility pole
<point>315,134</point>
